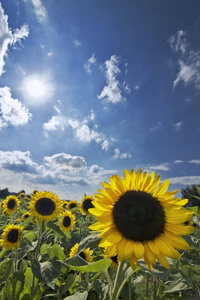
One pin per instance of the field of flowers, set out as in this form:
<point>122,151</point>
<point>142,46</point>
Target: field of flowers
<point>125,242</point>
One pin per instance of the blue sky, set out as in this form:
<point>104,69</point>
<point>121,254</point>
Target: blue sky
<point>89,88</point>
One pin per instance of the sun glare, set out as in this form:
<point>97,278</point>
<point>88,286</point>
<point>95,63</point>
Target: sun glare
<point>35,88</point>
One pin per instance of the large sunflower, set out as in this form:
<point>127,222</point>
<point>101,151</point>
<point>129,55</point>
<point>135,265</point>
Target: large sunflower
<point>45,206</point>
<point>11,204</point>
<point>86,204</point>
<point>11,237</point>
<point>86,254</point>
<point>67,221</point>
<point>72,204</point>
<point>139,219</point>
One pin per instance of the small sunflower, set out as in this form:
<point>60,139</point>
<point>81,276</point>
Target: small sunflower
<point>2,204</point>
<point>72,204</point>
<point>45,206</point>
<point>11,237</point>
<point>11,204</point>
<point>65,204</point>
<point>35,191</point>
<point>26,215</point>
<point>67,221</point>
<point>139,219</point>
<point>22,195</point>
<point>86,204</point>
<point>112,256</point>
<point>85,254</point>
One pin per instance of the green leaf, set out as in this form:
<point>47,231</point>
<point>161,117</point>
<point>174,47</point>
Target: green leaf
<point>3,253</point>
<point>55,251</point>
<point>46,272</point>
<point>15,280</point>
<point>175,285</point>
<point>91,241</point>
<point>195,209</point>
<point>69,281</point>
<point>77,296</point>
<point>100,266</point>
<point>56,229</point>
<point>5,269</point>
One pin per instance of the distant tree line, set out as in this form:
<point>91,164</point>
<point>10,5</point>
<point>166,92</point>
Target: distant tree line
<point>4,193</point>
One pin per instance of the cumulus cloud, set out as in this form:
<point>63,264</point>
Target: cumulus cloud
<point>39,9</point>
<point>19,162</point>
<point>12,110</point>
<point>120,155</point>
<point>7,38</point>
<point>66,162</point>
<point>112,92</point>
<point>189,61</point>
<point>56,123</point>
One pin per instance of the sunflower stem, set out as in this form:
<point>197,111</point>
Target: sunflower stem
<point>110,283</point>
<point>147,286</point>
<point>119,283</point>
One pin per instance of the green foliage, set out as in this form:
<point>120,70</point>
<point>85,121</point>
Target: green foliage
<point>192,193</point>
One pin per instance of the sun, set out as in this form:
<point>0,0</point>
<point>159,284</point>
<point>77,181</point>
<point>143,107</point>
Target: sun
<point>35,88</point>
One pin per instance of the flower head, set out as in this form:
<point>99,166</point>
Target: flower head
<point>45,206</point>
<point>86,204</point>
<point>11,237</point>
<point>26,215</point>
<point>67,221</point>
<point>139,219</point>
<point>86,254</point>
<point>11,204</point>
<point>72,204</point>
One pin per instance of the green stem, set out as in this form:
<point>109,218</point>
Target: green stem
<point>37,252</point>
<point>147,286</point>
<point>110,282</point>
<point>129,288</point>
<point>118,279</point>
<point>14,257</point>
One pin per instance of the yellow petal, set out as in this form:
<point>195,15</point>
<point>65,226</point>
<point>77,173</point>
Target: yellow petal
<point>154,184</point>
<point>139,250</point>
<point>153,247</point>
<point>162,188</point>
<point>163,261</point>
<point>133,261</point>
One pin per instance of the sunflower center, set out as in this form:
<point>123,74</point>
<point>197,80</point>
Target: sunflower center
<point>45,206</point>
<point>139,216</point>
<point>114,258</point>
<point>82,254</point>
<point>66,221</point>
<point>72,205</point>
<point>13,236</point>
<point>87,204</point>
<point>11,204</point>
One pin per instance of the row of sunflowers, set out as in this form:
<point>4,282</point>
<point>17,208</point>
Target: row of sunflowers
<point>128,233</point>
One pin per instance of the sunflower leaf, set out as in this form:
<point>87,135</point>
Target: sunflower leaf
<point>55,228</point>
<point>99,266</point>
<point>77,296</point>
<point>5,269</point>
<point>8,292</point>
<point>46,272</point>
<point>91,241</point>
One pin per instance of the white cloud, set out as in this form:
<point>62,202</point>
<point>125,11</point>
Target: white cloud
<point>12,110</point>
<point>21,33</point>
<point>120,155</point>
<point>195,161</point>
<point>66,162</point>
<point>91,61</point>
<point>56,123</point>
<point>39,10</point>
<point>159,125</point>
<point>177,126</point>
<point>160,167</point>
<point>8,38</point>
<point>186,180</point>
<point>77,43</point>
<point>19,162</point>
<point>137,87</point>
<point>112,92</point>
<point>178,42</point>
<point>178,161</point>
<point>189,62</point>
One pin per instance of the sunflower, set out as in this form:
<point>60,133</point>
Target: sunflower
<point>114,258</point>
<point>86,204</point>
<point>26,215</point>
<point>86,254</point>
<point>22,195</point>
<point>45,206</point>
<point>2,204</point>
<point>35,191</point>
<point>67,221</point>
<point>72,204</point>
<point>65,204</point>
<point>11,204</point>
<point>11,237</point>
<point>139,219</point>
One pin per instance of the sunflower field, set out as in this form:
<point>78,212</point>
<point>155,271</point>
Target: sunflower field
<point>132,240</point>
